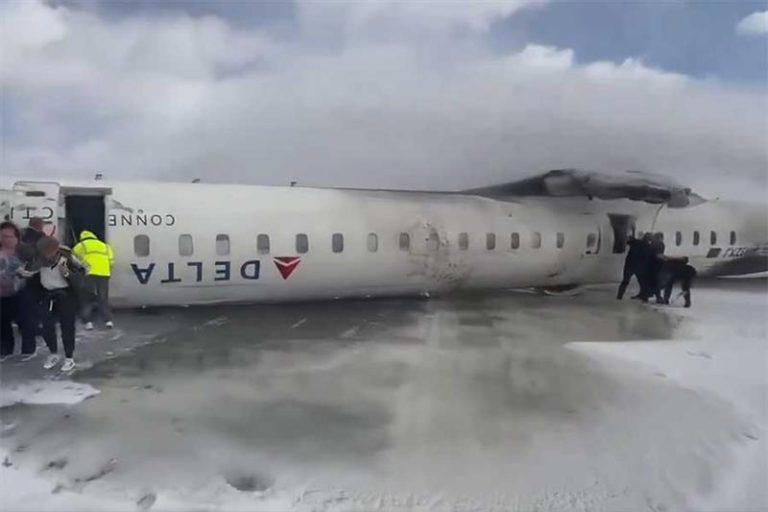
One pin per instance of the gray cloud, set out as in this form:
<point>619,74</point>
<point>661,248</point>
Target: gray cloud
<point>426,106</point>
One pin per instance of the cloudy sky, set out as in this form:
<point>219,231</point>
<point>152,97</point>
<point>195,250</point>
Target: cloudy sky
<point>393,94</point>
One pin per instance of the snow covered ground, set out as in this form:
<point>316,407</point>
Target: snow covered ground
<point>502,402</point>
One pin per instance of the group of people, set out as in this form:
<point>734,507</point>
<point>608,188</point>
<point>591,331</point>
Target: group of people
<point>44,283</point>
<point>655,272</point>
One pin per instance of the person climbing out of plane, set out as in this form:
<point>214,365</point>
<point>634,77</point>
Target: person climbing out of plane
<point>59,273</point>
<point>12,308</point>
<point>678,269</point>
<point>98,258</point>
<point>634,264</point>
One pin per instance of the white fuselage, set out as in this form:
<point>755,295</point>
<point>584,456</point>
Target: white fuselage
<point>178,244</point>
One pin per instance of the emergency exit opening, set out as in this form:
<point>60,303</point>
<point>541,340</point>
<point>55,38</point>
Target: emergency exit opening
<point>623,227</point>
<point>84,212</point>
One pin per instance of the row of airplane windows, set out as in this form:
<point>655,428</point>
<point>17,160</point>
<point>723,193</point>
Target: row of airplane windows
<point>696,238</point>
<point>141,243</point>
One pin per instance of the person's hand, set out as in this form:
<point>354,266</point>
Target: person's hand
<point>62,266</point>
<point>21,271</point>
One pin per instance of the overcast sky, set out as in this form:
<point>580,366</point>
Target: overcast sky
<point>436,95</point>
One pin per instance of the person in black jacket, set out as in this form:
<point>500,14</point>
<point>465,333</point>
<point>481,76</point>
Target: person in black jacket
<point>33,232</point>
<point>635,263</point>
<point>653,267</point>
<point>678,269</point>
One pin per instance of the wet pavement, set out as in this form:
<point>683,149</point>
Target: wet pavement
<point>472,398</point>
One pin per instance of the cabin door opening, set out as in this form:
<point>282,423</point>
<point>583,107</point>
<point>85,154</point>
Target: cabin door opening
<point>623,227</point>
<point>84,212</point>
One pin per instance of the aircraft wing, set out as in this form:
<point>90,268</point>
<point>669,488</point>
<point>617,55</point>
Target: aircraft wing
<point>634,185</point>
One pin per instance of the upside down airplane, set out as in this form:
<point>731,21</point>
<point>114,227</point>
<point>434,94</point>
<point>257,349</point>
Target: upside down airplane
<point>194,243</point>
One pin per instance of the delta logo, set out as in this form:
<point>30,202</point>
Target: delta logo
<point>286,265</point>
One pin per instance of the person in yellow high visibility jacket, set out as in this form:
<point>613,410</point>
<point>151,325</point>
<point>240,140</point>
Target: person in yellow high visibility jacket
<point>98,257</point>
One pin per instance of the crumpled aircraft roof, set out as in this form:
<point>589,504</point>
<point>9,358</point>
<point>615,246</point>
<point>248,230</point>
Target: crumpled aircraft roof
<point>634,185</point>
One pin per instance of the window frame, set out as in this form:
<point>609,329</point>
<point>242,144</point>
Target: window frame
<point>560,239</point>
<point>141,238</point>
<point>696,237</point>
<point>301,248</point>
<point>404,241</point>
<point>433,242</point>
<point>591,248</point>
<point>182,248</point>
<point>535,241</point>
<point>490,241</point>
<point>262,248</point>
<point>372,247</point>
<point>463,241</point>
<point>337,243</point>
<point>223,238</point>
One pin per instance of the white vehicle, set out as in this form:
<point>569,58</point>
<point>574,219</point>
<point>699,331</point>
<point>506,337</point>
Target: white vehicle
<point>193,243</point>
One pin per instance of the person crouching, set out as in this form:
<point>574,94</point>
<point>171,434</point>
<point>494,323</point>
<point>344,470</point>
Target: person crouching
<point>678,269</point>
<point>58,269</point>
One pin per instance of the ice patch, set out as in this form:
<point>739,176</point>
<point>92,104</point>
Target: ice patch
<point>45,392</point>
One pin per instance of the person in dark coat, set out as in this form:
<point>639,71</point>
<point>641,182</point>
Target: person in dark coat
<point>33,232</point>
<point>678,269</point>
<point>653,267</point>
<point>634,263</point>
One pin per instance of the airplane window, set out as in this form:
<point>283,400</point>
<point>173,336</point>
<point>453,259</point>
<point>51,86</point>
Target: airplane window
<point>262,244</point>
<point>404,241</point>
<point>373,242</point>
<point>337,242</point>
<point>222,245</point>
<point>712,238</point>
<point>695,238</point>
<point>733,237</point>
<point>463,241</point>
<point>560,240</point>
<point>186,248</point>
<point>490,241</point>
<point>141,245</point>
<point>302,243</point>
<point>515,241</point>
<point>535,239</point>
<point>591,241</point>
<point>433,242</point>
<point>678,238</point>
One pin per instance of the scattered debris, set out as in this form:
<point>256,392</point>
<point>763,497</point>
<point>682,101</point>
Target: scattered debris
<point>146,501</point>
<point>56,464</point>
<point>249,482</point>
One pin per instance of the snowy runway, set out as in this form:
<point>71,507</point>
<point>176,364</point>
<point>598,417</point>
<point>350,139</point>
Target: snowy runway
<point>503,402</point>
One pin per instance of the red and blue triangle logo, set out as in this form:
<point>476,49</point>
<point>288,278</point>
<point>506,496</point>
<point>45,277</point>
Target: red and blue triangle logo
<point>286,264</point>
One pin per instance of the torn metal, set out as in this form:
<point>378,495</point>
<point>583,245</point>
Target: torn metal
<point>633,185</point>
